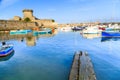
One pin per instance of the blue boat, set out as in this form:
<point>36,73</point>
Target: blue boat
<point>45,31</point>
<point>6,50</point>
<point>14,32</point>
<point>110,34</point>
<point>5,58</point>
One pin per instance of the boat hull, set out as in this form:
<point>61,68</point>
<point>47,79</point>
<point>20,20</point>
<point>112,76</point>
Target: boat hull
<point>42,32</point>
<point>14,32</point>
<point>6,51</point>
<point>110,34</point>
<point>77,28</point>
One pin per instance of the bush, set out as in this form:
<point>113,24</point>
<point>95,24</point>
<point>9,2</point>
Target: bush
<point>53,20</point>
<point>27,19</point>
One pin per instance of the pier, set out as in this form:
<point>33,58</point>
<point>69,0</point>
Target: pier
<point>82,68</point>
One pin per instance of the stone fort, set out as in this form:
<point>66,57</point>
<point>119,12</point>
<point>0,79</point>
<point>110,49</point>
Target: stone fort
<point>20,23</point>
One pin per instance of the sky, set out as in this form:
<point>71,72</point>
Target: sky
<point>63,11</point>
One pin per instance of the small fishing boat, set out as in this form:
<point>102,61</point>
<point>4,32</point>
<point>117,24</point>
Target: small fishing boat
<point>66,29</point>
<point>6,50</point>
<point>91,30</point>
<point>110,34</point>
<point>77,28</point>
<point>101,28</point>
<point>5,58</point>
<point>14,32</point>
<point>45,31</point>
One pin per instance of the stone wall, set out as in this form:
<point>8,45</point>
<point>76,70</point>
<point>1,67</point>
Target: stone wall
<point>27,13</point>
<point>19,23</point>
<point>46,23</point>
<point>17,18</point>
<point>12,24</point>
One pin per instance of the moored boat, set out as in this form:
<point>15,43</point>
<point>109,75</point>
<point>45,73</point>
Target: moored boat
<point>44,31</point>
<point>91,30</point>
<point>110,34</point>
<point>66,29</point>
<point>5,58</point>
<point>77,28</point>
<point>6,50</point>
<point>13,32</point>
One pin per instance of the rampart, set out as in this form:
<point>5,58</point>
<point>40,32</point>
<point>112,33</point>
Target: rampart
<point>13,25</point>
<point>28,21</point>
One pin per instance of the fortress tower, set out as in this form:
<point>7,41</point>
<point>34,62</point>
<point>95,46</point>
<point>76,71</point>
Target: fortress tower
<point>28,13</point>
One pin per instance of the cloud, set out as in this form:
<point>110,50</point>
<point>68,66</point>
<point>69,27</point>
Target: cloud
<point>5,3</point>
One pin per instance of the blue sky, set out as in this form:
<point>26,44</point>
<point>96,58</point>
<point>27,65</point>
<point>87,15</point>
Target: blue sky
<point>63,11</point>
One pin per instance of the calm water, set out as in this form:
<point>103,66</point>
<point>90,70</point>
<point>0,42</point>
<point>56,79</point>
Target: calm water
<point>50,58</point>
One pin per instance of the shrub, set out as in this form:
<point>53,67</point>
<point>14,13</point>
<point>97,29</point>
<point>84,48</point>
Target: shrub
<point>27,19</point>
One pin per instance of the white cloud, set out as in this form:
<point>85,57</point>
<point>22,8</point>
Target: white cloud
<point>5,3</point>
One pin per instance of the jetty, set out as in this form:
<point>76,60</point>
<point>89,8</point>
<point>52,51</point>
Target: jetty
<point>82,68</point>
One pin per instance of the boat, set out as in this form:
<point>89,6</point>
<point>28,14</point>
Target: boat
<point>66,29</point>
<point>110,34</point>
<point>91,30</point>
<point>6,49</point>
<point>77,28</point>
<point>101,28</point>
<point>44,31</point>
<point>14,32</point>
<point>5,58</point>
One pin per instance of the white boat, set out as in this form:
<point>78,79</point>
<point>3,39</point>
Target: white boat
<point>91,30</point>
<point>66,29</point>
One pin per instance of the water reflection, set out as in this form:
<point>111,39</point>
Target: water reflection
<point>29,38</point>
<point>91,36</point>
<point>7,57</point>
<point>30,41</point>
<point>103,39</point>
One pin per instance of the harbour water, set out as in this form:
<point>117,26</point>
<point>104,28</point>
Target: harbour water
<point>50,57</point>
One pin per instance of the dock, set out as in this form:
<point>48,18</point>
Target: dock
<point>82,68</point>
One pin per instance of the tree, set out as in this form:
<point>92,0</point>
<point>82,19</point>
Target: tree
<point>53,20</point>
<point>27,19</point>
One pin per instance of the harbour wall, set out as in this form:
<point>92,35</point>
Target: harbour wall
<point>6,25</point>
<point>13,25</point>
